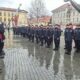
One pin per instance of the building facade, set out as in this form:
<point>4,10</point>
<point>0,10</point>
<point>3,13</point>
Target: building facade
<point>7,14</point>
<point>65,14</point>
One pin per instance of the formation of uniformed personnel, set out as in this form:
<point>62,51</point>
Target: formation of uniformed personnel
<point>45,35</point>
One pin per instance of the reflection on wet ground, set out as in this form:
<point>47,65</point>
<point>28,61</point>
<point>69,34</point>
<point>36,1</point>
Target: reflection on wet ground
<point>2,69</point>
<point>38,63</point>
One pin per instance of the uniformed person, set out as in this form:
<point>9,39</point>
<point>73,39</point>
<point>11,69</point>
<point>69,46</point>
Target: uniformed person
<point>68,34</point>
<point>32,33</point>
<point>45,35</point>
<point>74,37</point>
<point>77,37</point>
<point>49,36</point>
<point>65,36</point>
<point>41,36</point>
<point>37,34</point>
<point>57,34</point>
<point>29,33</point>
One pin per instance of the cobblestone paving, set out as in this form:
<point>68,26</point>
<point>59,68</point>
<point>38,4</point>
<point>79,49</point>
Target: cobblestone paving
<point>27,61</point>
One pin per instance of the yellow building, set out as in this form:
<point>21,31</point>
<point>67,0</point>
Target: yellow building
<point>6,15</point>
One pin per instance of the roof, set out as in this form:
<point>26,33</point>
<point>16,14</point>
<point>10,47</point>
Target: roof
<point>45,19</point>
<point>63,7</point>
<point>12,9</point>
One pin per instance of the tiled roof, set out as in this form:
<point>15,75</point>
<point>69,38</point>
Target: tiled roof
<point>45,19</point>
<point>11,9</point>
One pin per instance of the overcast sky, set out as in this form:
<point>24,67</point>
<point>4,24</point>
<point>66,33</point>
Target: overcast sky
<point>50,4</point>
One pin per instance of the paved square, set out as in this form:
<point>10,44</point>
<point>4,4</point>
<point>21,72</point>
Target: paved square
<point>25,60</point>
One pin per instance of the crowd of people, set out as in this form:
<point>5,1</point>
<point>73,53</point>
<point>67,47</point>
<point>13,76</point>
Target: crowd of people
<point>45,35</point>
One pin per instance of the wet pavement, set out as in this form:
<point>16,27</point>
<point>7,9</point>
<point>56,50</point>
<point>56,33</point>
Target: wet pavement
<point>25,60</point>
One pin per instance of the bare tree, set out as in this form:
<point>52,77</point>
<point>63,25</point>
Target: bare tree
<point>37,9</point>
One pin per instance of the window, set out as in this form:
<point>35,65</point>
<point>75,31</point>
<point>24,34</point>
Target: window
<point>64,14</point>
<point>73,13</point>
<point>77,20</point>
<point>0,14</point>
<point>73,19</point>
<point>0,19</point>
<point>8,14</point>
<point>12,14</point>
<point>8,19</point>
<point>4,19</point>
<point>4,13</point>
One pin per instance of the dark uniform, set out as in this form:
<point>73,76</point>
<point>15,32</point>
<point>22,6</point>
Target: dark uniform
<point>29,33</point>
<point>68,38</point>
<point>57,34</point>
<point>41,36</point>
<point>44,35</point>
<point>77,38</point>
<point>22,31</point>
<point>65,36</point>
<point>37,34</point>
<point>32,34</point>
<point>49,36</point>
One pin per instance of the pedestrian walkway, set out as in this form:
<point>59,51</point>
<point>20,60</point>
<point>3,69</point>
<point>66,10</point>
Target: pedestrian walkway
<point>25,60</point>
